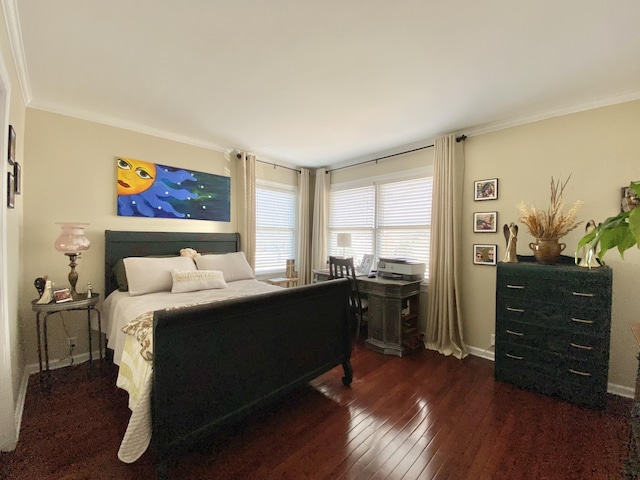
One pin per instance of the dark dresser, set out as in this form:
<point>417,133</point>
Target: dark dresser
<point>553,325</point>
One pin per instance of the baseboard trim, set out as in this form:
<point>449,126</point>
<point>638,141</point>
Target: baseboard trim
<point>487,353</point>
<point>612,388</point>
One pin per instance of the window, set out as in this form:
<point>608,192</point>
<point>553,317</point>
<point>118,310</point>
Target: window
<point>387,218</point>
<point>275,226</point>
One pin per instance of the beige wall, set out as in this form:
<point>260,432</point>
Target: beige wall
<point>72,179</point>
<point>600,149</point>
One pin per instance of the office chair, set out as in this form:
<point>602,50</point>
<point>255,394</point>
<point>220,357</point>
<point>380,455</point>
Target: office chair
<point>343,268</point>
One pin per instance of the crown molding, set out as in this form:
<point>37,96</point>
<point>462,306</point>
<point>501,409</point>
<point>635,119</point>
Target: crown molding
<point>132,126</point>
<point>515,122</point>
<point>17,48</point>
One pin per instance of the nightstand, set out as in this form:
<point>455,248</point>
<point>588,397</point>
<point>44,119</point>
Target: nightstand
<point>47,309</point>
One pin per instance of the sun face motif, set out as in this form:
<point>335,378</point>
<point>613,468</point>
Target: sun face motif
<point>134,176</point>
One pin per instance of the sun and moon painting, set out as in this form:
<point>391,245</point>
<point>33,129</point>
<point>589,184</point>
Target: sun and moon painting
<point>148,189</point>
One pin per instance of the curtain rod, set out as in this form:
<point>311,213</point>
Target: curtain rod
<point>238,156</point>
<point>459,139</point>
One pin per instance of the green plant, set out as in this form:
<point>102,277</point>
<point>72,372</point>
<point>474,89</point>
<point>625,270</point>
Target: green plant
<point>621,232</point>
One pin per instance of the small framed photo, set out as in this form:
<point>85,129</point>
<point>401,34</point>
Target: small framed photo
<point>365,265</point>
<point>11,190</point>
<point>485,222</point>
<point>485,254</point>
<point>17,177</point>
<point>62,295</point>
<point>485,189</point>
<point>628,199</point>
<point>12,145</point>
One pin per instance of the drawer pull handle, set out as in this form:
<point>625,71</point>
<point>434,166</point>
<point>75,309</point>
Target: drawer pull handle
<point>517,287</point>
<point>517,310</point>
<point>517,334</point>
<point>580,294</point>
<point>515,357</point>
<point>577,372</point>
<point>583,347</point>
<point>579,320</point>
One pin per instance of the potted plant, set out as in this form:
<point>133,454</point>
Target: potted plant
<point>621,232</point>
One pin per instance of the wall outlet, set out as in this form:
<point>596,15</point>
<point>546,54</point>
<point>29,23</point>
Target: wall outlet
<point>72,341</point>
<point>493,339</point>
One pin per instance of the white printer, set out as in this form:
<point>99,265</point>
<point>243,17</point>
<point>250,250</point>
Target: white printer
<point>401,269</point>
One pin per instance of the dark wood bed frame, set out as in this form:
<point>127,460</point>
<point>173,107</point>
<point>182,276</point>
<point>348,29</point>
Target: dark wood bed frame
<point>214,364</point>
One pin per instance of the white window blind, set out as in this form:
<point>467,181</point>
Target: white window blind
<point>388,219</point>
<point>275,227</point>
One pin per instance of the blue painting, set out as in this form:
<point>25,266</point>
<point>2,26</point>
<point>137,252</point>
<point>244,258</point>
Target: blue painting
<point>151,190</point>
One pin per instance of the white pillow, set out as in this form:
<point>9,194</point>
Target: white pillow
<point>149,275</point>
<point>234,266</point>
<point>191,281</point>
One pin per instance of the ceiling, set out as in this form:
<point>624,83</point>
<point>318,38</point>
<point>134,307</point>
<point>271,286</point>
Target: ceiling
<point>323,83</point>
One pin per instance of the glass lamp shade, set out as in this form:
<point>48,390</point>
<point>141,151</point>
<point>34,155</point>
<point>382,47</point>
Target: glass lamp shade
<point>72,239</point>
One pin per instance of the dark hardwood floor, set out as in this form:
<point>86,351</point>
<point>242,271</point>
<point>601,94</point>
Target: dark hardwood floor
<point>425,416</point>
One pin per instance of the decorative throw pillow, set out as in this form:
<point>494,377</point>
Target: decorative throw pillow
<point>191,281</point>
<point>234,265</point>
<point>149,275</point>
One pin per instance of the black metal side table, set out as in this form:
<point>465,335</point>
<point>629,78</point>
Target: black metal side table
<point>47,309</point>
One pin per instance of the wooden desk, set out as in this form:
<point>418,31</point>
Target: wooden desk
<point>392,321</point>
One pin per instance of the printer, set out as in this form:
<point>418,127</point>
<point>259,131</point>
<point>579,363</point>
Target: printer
<point>401,269</point>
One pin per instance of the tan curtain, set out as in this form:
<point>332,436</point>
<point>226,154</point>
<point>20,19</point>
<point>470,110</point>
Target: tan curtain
<point>304,256</point>
<point>320,235</point>
<point>444,324</point>
<point>248,236</point>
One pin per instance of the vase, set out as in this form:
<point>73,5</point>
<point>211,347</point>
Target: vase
<point>547,250</point>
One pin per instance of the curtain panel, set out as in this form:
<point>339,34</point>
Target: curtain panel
<point>444,326</point>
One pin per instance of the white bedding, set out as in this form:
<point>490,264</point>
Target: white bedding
<point>134,374</point>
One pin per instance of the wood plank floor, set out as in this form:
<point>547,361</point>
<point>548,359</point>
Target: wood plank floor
<point>425,416</point>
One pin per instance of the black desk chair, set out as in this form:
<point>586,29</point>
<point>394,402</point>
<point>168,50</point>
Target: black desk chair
<point>343,268</point>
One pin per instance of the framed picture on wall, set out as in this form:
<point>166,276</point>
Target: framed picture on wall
<point>485,189</point>
<point>485,222</point>
<point>485,254</point>
<point>628,199</point>
<point>11,190</point>
<point>17,177</point>
<point>11,156</point>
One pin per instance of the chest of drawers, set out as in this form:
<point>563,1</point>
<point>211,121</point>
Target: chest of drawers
<point>553,326</point>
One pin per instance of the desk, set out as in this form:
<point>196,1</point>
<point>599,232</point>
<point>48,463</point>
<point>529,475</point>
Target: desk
<point>392,323</point>
<point>87,304</point>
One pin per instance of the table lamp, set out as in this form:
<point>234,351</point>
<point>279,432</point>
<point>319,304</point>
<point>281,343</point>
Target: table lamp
<point>344,241</point>
<point>72,242</point>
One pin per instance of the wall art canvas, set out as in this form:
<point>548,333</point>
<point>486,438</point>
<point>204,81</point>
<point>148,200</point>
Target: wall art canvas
<point>152,190</point>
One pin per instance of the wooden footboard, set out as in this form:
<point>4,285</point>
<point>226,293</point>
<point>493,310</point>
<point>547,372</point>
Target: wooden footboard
<point>213,364</point>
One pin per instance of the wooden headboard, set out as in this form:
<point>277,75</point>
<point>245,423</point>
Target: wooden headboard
<point>122,244</point>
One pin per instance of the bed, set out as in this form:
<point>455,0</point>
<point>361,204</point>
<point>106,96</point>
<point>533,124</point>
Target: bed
<point>216,355</point>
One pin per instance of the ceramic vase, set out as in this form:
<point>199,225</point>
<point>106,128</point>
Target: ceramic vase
<point>547,250</point>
